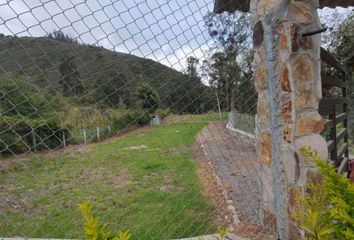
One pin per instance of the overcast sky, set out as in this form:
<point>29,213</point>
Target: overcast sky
<point>163,30</point>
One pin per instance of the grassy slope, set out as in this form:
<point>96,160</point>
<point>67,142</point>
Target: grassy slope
<point>38,59</point>
<point>153,191</point>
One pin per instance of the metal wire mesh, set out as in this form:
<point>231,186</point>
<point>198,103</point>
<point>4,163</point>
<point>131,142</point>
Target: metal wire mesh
<point>82,83</point>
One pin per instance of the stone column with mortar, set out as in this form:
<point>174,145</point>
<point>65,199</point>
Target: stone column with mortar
<point>299,81</point>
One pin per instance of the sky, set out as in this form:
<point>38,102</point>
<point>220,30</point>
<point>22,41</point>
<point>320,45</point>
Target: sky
<point>167,31</point>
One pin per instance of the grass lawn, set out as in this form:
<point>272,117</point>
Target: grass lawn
<point>145,181</point>
<point>208,117</point>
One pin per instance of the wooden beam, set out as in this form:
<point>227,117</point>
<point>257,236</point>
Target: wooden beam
<point>329,59</point>
<point>244,5</point>
<point>332,81</point>
<point>342,150</point>
<point>341,117</point>
<point>341,134</point>
<point>336,3</point>
<point>331,101</point>
<point>343,167</point>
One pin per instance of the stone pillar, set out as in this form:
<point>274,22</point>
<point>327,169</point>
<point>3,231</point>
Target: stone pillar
<point>298,67</point>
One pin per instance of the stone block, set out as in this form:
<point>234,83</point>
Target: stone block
<point>316,141</point>
<point>288,132</point>
<point>263,108</point>
<point>260,78</point>
<point>294,31</point>
<point>286,107</point>
<point>283,40</point>
<point>306,43</point>
<point>267,188</point>
<point>303,69</point>
<point>266,148</point>
<point>305,97</point>
<point>290,164</point>
<point>285,81</point>
<point>308,123</point>
<point>300,12</point>
<point>265,6</point>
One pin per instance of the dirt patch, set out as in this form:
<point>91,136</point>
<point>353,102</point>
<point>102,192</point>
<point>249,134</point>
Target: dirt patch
<point>122,179</point>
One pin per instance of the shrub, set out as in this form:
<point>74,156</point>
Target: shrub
<point>19,135</point>
<point>94,230</point>
<point>147,97</point>
<point>128,118</point>
<point>163,112</point>
<point>328,209</point>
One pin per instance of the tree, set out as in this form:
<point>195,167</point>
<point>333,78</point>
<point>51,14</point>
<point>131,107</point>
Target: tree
<point>198,93</point>
<point>113,89</point>
<point>192,64</point>
<point>70,81</point>
<point>60,36</point>
<point>147,97</point>
<point>229,63</point>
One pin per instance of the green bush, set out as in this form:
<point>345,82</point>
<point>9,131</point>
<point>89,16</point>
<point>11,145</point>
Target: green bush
<point>128,118</point>
<point>163,112</point>
<point>19,135</point>
<point>328,210</point>
<point>28,117</point>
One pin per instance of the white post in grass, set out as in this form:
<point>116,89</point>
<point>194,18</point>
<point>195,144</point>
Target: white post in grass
<point>64,140</point>
<point>34,140</point>
<point>109,129</point>
<point>85,136</point>
<point>98,133</point>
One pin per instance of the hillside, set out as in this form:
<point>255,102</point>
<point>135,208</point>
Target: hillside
<point>51,89</point>
<point>104,77</point>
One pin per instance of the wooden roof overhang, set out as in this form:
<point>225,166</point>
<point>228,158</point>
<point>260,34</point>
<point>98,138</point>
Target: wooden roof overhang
<point>244,5</point>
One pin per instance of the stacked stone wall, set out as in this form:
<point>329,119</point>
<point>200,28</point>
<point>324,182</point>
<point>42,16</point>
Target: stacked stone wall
<point>299,69</point>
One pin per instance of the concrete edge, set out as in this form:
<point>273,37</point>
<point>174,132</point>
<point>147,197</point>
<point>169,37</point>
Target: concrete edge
<point>229,127</point>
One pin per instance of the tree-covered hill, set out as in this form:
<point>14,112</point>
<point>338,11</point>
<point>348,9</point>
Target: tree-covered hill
<point>95,75</point>
<point>53,88</point>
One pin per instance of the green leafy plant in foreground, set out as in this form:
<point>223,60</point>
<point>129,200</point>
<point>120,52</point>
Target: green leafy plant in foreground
<point>94,230</point>
<point>328,208</point>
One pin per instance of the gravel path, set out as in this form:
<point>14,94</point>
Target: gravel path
<point>233,157</point>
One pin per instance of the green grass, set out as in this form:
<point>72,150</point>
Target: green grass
<point>208,117</point>
<point>145,181</point>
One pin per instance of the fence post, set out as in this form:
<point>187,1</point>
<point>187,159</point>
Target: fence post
<point>85,137</point>
<point>271,24</point>
<point>34,141</point>
<point>109,129</point>
<point>98,133</point>
<point>64,140</point>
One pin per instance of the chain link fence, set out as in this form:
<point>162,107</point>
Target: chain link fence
<point>124,104</point>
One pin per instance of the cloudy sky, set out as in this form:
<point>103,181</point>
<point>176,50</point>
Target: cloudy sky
<point>163,30</point>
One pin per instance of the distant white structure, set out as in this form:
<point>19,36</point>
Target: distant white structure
<point>155,120</point>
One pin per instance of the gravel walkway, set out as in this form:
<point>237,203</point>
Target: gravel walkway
<point>233,157</point>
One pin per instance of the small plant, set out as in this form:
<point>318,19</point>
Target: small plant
<point>94,230</point>
<point>222,234</point>
<point>328,209</point>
